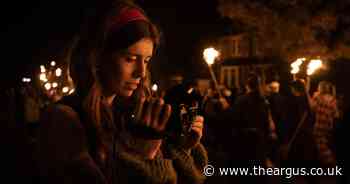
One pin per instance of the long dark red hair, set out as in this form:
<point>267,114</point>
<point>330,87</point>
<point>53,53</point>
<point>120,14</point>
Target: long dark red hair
<point>94,40</point>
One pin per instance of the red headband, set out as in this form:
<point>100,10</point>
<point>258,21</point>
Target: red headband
<point>125,16</point>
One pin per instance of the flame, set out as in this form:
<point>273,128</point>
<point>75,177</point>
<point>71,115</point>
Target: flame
<point>314,65</point>
<point>154,87</point>
<point>42,69</point>
<point>209,55</point>
<point>42,77</point>
<point>54,84</point>
<point>47,86</point>
<point>295,70</point>
<point>58,72</point>
<point>296,65</point>
<point>25,79</point>
<point>65,89</point>
<point>71,91</point>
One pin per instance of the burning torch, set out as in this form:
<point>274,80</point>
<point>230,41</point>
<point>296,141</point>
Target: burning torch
<point>296,67</point>
<point>312,67</point>
<point>209,55</point>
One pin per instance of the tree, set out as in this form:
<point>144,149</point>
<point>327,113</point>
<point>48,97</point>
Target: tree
<point>291,29</point>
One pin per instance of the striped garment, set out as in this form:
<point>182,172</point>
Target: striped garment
<point>325,108</point>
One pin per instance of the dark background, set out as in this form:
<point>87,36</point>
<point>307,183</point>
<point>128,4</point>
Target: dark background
<point>34,32</point>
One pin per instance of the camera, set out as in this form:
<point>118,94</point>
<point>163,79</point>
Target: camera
<point>187,116</point>
<point>185,107</point>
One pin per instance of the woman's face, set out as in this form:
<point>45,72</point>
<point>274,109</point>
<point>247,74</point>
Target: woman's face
<point>123,73</point>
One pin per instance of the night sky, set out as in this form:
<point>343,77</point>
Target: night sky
<point>36,30</point>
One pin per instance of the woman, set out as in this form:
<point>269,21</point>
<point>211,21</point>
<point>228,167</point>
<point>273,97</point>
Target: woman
<point>324,104</point>
<point>110,131</point>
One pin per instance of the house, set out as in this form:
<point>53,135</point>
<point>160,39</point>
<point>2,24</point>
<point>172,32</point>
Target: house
<point>239,55</point>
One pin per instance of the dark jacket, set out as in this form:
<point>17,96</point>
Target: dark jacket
<point>66,157</point>
<point>251,126</point>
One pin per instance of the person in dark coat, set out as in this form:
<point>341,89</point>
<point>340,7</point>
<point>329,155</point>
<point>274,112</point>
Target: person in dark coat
<point>298,144</point>
<point>252,133</point>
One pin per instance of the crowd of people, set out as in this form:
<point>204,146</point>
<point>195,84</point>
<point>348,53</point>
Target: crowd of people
<point>112,129</point>
<point>262,126</point>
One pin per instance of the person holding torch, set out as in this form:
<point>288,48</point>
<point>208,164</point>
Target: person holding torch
<point>209,55</point>
<point>324,105</point>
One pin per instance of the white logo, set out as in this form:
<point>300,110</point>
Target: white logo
<point>209,170</point>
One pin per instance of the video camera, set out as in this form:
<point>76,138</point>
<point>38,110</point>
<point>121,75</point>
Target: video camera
<point>185,107</point>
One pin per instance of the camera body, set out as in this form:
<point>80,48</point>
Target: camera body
<point>185,107</point>
<point>187,115</point>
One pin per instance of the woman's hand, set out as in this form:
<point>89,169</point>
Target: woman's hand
<point>195,134</point>
<point>149,120</point>
<point>152,113</point>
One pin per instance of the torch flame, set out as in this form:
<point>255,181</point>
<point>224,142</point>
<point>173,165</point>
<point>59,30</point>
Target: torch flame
<point>294,70</point>
<point>314,65</point>
<point>296,64</point>
<point>209,55</point>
